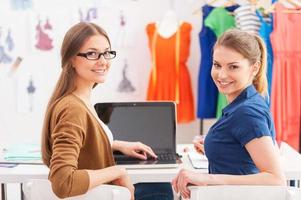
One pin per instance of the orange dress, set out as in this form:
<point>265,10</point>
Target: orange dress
<point>286,83</point>
<point>169,78</point>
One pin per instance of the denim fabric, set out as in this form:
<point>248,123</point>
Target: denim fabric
<point>153,191</point>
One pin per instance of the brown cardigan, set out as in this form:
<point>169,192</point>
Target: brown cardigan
<point>77,142</point>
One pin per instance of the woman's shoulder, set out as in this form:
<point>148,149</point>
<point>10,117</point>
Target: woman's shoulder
<point>69,104</point>
<point>255,110</point>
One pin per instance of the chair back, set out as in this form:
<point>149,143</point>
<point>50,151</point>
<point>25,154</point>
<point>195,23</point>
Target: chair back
<point>238,192</point>
<point>41,189</point>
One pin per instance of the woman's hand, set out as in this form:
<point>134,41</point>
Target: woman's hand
<point>184,179</point>
<point>125,181</point>
<point>134,149</point>
<point>198,143</point>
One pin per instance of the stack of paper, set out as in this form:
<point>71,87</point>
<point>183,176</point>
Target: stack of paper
<point>22,152</point>
<point>198,160</point>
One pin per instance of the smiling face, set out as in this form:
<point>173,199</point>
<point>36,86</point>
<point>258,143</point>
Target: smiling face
<point>89,72</point>
<point>231,72</point>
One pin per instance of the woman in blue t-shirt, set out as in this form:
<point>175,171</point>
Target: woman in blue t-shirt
<point>240,146</point>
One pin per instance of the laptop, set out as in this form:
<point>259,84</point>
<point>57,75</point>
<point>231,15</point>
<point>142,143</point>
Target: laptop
<point>152,123</point>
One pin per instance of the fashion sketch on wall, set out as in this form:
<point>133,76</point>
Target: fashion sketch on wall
<point>21,4</point>
<point>43,40</point>
<point>87,15</point>
<point>125,84</point>
<point>6,46</point>
<point>30,91</point>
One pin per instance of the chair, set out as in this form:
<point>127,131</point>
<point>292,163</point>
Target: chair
<point>238,192</point>
<point>41,189</point>
<point>291,162</point>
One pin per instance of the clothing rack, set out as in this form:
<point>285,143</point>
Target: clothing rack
<point>201,126</point>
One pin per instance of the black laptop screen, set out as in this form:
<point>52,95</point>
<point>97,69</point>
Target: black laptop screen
<point>152,123</point>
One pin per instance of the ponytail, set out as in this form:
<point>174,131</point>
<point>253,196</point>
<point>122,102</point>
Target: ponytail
<point>260,80</point>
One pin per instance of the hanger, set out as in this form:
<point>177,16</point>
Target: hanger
<point>227,3</point>
<point>291,4</point>
<point>295,3</point>
<point>256,3</point>
<point>253,2</point>
<point>198,10</point>
<point>211,2</point>
<point>295,7</point>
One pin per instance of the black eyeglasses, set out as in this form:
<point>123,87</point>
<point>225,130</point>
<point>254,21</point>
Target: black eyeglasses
<point>93,55</point>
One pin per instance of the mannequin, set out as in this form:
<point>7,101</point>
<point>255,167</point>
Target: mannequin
<point>169,42</point>
<point>169,24</point>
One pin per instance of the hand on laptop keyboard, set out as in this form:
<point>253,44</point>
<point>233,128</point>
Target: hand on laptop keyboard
<point>134,149</point>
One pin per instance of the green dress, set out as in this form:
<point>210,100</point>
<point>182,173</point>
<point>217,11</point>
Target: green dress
<point>220,20</point>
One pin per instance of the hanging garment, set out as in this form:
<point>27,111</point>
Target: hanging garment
<point>169,78</point>
<point>207,91</point>
<point>246,19</point>
<point>265,31</point>
<point>220,20</point>
<point>286,83</point>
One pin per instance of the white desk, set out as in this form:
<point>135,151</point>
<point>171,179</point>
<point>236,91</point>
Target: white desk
<point>22,173</point>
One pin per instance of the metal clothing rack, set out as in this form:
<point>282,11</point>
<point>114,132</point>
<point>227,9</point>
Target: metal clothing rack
<point>201,126</point>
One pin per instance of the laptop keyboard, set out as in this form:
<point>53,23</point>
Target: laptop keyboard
<point>161,156</point>
<point>166,156</point>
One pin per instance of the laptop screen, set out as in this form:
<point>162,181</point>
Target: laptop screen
<point>152,123</point>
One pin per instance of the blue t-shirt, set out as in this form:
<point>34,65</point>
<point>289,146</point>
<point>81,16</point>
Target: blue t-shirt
<point>244,119</point>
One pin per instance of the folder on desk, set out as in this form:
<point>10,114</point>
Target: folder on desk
<point>152,123</point>
<point>22,154</point>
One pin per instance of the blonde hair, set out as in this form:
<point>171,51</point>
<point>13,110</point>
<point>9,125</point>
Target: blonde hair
<point>73,41</point>
<point>253,48</point>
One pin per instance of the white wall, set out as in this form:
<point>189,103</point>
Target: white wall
<point>19,124</point>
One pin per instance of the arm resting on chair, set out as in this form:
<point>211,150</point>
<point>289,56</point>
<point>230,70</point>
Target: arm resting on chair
<point>266,158</point>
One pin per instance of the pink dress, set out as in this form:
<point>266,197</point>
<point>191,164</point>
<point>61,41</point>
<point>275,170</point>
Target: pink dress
<point>286,83</point>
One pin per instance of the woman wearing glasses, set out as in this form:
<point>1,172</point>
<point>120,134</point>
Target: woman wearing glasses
<point>76,145</point>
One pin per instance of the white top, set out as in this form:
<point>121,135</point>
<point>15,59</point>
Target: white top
<point>103,125</point>
<point>246,18</point>
<point>107,130</point>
